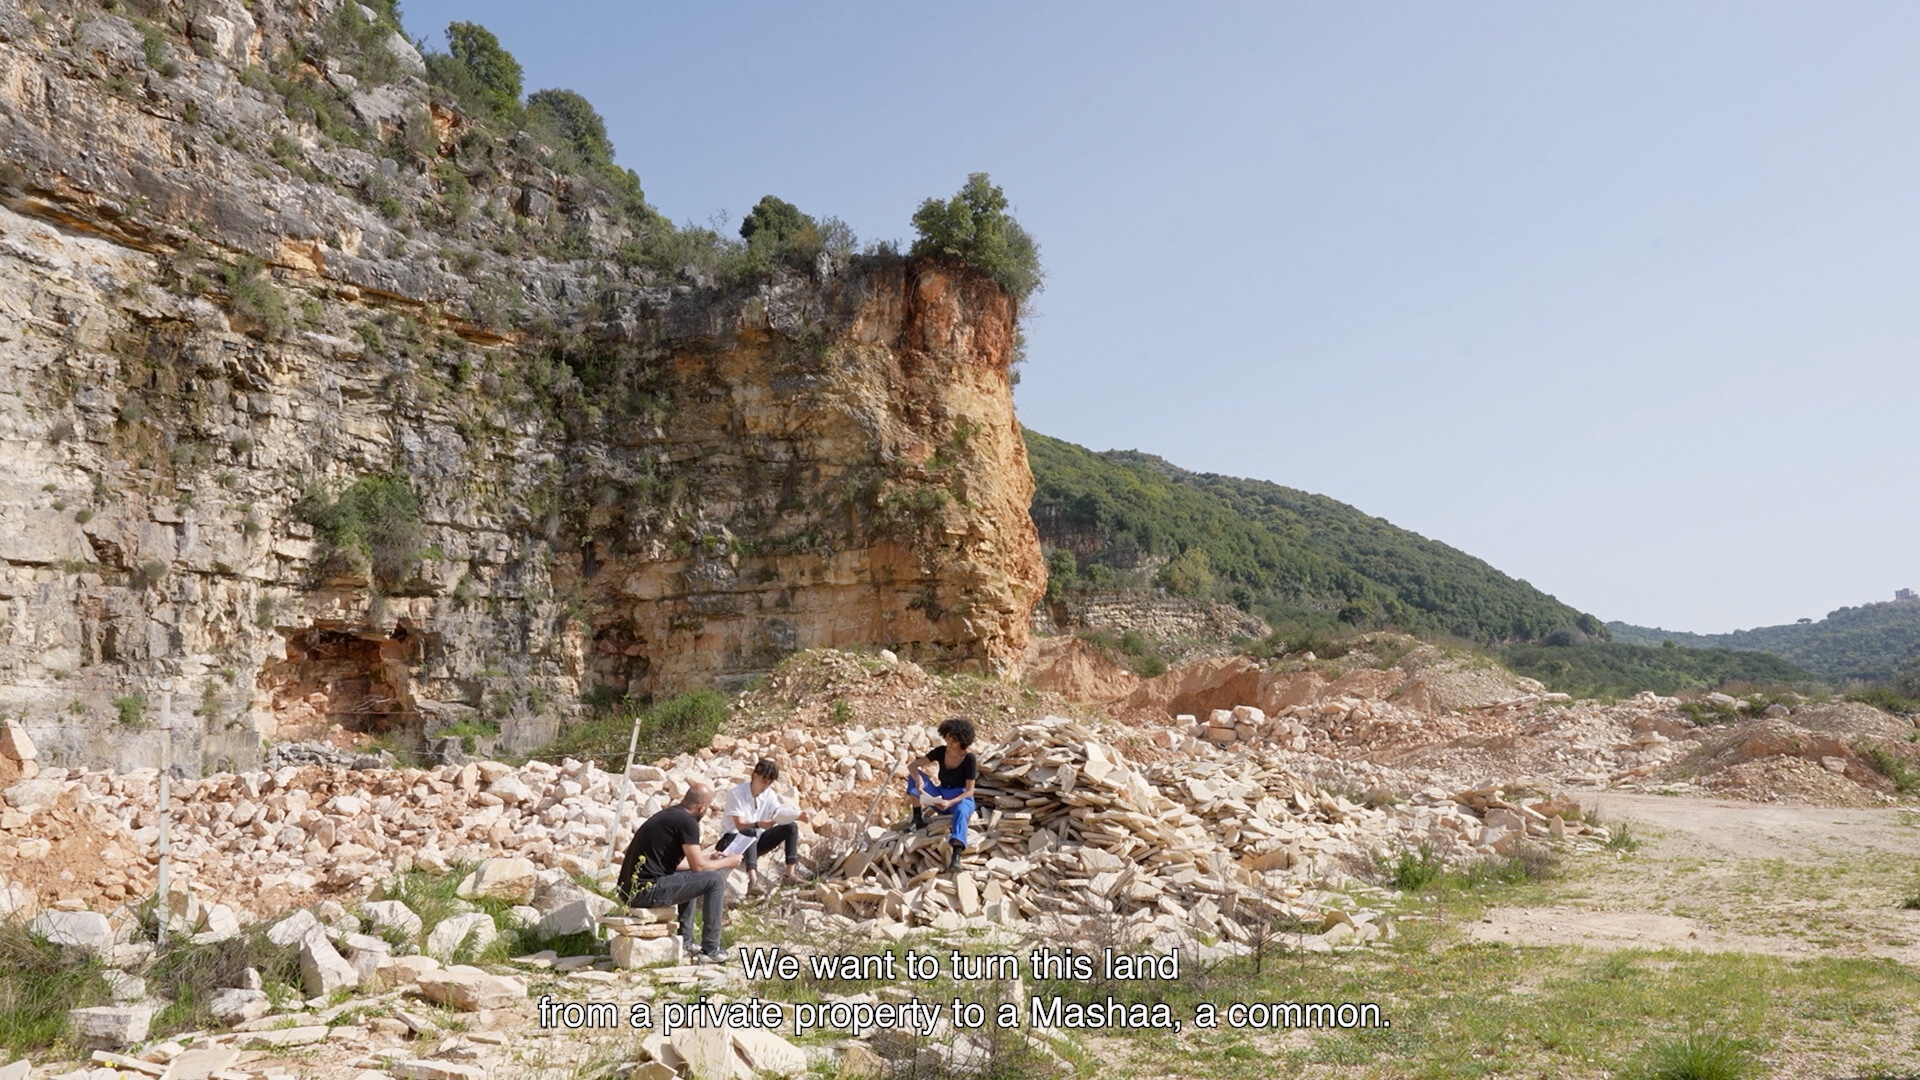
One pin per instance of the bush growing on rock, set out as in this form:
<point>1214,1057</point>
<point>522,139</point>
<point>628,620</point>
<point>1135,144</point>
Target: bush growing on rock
<point>574,122</point>
<point>676,725</point>
<point>374,523</point>
<point>975,228</point>
<point>478,71</point>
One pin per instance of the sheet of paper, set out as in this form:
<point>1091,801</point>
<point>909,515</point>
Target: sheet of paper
<point>786,815</point>
<point>740,843</point>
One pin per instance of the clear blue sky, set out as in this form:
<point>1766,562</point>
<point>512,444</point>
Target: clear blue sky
<point>1623,298</point>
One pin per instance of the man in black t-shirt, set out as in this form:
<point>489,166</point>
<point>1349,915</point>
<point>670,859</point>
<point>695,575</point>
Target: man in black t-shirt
<point>650,875</point>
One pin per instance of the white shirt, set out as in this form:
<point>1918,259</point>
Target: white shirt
<point>742,804</point>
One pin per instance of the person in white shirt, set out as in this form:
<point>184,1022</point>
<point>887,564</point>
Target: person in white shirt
<point>751,810</point>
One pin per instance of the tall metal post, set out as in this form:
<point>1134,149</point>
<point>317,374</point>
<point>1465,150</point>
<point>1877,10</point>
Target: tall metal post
<point>166,778</point>
<point>625,788</point>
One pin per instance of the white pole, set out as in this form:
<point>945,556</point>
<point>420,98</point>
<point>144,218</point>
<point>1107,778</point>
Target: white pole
<point>626,788</point>
<point>166,776</point>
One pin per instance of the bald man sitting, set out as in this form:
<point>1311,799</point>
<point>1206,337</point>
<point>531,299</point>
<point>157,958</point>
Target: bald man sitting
<point>650,875</point>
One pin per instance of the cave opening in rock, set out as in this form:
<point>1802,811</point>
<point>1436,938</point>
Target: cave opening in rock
<point>358,678</point>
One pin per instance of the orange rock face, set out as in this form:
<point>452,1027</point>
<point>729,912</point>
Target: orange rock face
<point>843,468</point>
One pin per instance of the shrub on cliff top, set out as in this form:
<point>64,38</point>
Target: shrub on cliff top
<point>975,228</point>
<point>774,219</point>
<point>575,122</point>
<point>484,76</point>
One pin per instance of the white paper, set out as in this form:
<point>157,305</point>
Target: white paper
<point>929,800</point>
<point>740,843</point>
<point>786,815</point>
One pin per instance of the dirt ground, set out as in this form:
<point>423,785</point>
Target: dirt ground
<point>1723,875</point>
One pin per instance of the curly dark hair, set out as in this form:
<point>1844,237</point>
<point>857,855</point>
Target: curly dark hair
<point>960,728</point>
<point>766,769</point>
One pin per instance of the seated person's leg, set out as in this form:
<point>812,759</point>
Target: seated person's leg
<point>716,902</point>
<point>787,836</point>
<point>686,926</point>
<point>962,815</point>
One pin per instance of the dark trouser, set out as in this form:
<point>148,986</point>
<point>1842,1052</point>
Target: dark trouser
<point>772,838</point>
<point>683,888</point>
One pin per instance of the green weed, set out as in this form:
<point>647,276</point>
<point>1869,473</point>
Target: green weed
<point>1699,1056</point>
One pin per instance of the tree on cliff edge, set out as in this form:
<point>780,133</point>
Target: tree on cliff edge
<point>975,228</point>
<point>483,75</point>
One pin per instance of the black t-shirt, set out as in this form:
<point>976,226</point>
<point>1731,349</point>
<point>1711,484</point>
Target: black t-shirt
<point>658,848</point>
<point>954,776</point>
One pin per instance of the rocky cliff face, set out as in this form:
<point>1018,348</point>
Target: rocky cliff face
<point>321,406</point>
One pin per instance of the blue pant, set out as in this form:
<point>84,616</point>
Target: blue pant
<point>962,811</point>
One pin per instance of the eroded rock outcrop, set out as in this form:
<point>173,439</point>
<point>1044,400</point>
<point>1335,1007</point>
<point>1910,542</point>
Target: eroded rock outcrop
<point>227,313</point>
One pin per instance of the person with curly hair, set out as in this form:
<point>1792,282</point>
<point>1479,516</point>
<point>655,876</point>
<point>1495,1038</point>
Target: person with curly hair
<point>956,769</point>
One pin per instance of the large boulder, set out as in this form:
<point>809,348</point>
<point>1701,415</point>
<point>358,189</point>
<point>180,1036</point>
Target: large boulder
<point>15,746</point>
<point>323,970</point>
<point>632,952</point>
<point>471,989</point>
<point>475,930</point>
<point>110,1027</point>
<point>86,931</point>
<point>233,1007</point>
<point>294,929</point>
<point>392,915</point>
<point>512,880</point>
<point>581,916</point>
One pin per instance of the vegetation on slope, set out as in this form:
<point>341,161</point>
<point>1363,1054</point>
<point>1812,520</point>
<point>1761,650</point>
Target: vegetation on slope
<point>1872,642</point>
<point>1611,669</point>
<point>1123,519</point>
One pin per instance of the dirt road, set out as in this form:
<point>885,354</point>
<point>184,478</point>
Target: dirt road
<point>1724,875</point>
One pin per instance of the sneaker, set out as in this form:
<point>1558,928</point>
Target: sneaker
<point>718,956</point>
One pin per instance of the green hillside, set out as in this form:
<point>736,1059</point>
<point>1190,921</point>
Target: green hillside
<point>1612,669</point>
<point>1124,519</point>
<point>1871,642</point>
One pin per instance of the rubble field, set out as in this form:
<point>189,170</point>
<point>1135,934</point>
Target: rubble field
<point>1196,811</point>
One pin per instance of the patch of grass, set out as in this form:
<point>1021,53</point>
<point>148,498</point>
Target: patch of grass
<point>37,987</point>
<point>374,524</point>
<point>1699,1056</point>
<point>188,975</point>
<point>132,710</point>
<point>1421,870</point>
<point>1620,837</point>
<point>1415,869</point>
<point>255,297</point>
<point>1886,699</point>
<point>469,732</point>
<point>1905,778</point>
<point>1130,649</point>
<point>678,725</point>
<point>148,574</point>
<point>435,898</point>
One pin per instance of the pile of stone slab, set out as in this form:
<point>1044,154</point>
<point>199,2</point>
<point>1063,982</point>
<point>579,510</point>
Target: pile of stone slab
<point>1072,829</point>
<point>643,937</point>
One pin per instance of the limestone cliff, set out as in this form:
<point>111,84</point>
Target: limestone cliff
<point>320,405</point>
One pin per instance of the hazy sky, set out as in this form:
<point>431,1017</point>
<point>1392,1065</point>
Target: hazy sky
<point>1621,298</point>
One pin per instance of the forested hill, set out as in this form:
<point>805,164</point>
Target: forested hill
<point>1871,642</point>
<point>1123,518</point>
